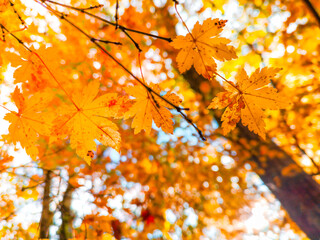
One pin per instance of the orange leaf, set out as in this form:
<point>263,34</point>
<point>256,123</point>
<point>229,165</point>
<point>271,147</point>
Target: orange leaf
<point>202,46</point>
<point>32,71</point>
<point>87,121</point>
<point>30,121</point>
<point>148,108</point>
<point>247,100</point>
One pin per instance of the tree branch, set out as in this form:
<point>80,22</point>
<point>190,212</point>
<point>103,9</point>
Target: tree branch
<point>67,216</point>
<point>116,16</point>
<point>46,214</point>
<point>313,10</point>
<point>122,28</point>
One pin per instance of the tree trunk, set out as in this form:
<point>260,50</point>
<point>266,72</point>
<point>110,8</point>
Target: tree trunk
<point>67,216</point>
<point>298,192</point>
<point>46,214</point>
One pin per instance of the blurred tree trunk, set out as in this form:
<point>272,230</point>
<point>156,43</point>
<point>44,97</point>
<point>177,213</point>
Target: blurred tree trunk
<point>67,216</point>
<point>116,228</point>
<point>46,214</point>
<point>298,192</point>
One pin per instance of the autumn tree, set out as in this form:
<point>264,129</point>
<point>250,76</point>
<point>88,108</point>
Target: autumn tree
<point>159,119</point>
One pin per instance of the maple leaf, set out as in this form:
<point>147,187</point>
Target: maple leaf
<point>86,120</point>
<point>247,99</point>
<point>32,72</point>
<point>202,46</point>
<point>4,5</point>
<point>30,120</point>
<point>147,108</point>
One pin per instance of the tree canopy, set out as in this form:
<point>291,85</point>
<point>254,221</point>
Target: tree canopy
<point>159,119</point>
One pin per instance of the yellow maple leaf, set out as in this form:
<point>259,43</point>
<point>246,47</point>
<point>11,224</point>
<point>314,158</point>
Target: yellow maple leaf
<point>31,71</point>
<point>30,121</point>
<point>86,120</point>
<point>202,46</point>
<point>247,99</point>
<point>147,108</point>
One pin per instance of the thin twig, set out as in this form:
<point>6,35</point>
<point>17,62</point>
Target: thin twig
<point>92,7</point>
<point>3,27</point>
<point>15,11</point>
<point>142,77</point>
<point>315,174</point>
<point>117,17</point>
<point>108,22</point>
<point>144,33</point>
<point>30,187</point>
<point>313,10</point>
<point>3,34</point>
<point>305,153</point>
<point>297,145</point>
<point>132,40</point>
<point>106,41</point>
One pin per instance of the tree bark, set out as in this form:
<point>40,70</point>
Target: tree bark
<point>46,214</point>
<point>67,216</point>
<point>298,192</point>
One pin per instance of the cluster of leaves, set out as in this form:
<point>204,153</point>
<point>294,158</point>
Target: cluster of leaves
<point>248,96</point>
<point>70,95</point>
<point>84,117</point>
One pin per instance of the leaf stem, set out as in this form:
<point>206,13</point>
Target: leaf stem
<point>183,22</point>
<point>227,81</point>
<point>6,108</point>
<point>56,80</point>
